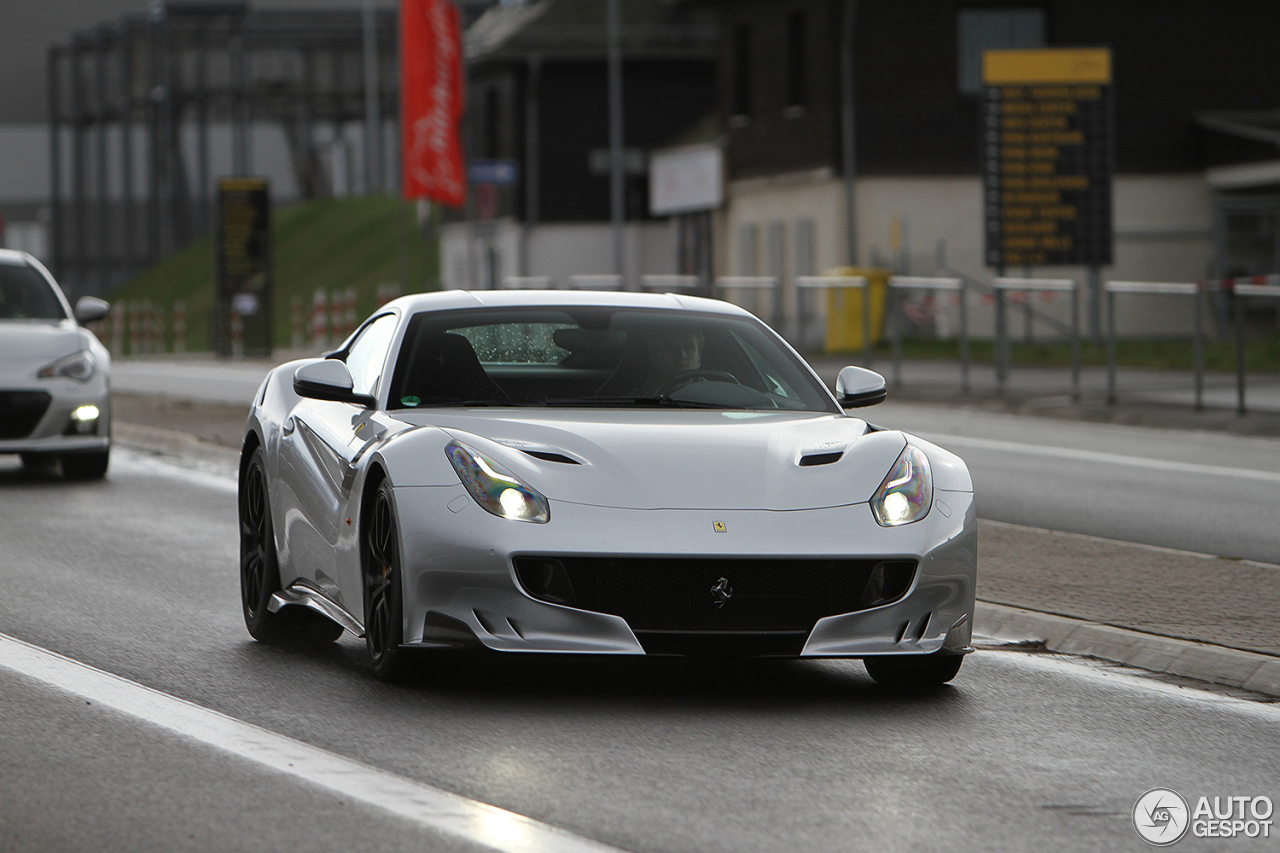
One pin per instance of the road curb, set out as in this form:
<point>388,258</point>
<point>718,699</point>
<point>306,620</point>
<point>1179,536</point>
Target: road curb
<point>1202,661</point>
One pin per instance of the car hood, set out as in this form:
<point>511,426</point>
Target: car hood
<point>682,459</point>
<point>36,340</point>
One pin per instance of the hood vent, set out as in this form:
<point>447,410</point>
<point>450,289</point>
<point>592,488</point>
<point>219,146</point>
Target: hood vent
<point>551,456</point>
<point>820,458</point>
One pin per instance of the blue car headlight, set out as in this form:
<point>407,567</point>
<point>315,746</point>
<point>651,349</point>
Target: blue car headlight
<point>79,366</point>
<point>907,492</point>
<point>494,488</point>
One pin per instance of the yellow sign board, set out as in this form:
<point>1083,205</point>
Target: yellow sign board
<point>1051,65</point>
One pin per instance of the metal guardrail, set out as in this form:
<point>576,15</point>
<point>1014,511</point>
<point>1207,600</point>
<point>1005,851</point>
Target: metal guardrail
<point>1158,288</point>
<point>1269,286</point>
<point>899,283</point>
<point>527,282</point>
<point>1005,285</point>
<point>595,282</point>
<point>669,283</point>
<point>824,283</point>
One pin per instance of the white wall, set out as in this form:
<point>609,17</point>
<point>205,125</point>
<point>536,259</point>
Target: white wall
<point>1163,233</point>
<point>554,250</point>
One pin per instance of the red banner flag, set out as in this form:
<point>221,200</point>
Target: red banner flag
<point>431,101</point>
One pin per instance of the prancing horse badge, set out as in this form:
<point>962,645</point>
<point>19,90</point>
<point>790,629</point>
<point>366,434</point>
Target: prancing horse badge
<point>718,527</point>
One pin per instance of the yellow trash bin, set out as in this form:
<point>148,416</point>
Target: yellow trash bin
<point>844,309</point>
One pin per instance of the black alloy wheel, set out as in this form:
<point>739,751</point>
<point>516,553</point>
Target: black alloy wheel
<point>383,604</point>
<point>260,572</point>
<point>913,671</point>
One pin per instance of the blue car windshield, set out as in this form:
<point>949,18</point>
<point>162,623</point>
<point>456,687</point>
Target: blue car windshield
<point>26,295</point>
<point>596,356</point>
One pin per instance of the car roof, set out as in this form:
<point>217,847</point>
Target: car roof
<point>447,300</point>
<point>13,258</point>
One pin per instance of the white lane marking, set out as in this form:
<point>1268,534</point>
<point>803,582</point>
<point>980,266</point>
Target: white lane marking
<point>1177,552</point>
<point>454,815</point>
<point>1113,674</point>
<point>1099,457</point>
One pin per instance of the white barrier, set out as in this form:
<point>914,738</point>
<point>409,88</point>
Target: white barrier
<point>894,311</point>
<point>1005,285</point>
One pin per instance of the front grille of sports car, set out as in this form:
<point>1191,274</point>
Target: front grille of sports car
<point>21,411</point>
<point>675,602</point>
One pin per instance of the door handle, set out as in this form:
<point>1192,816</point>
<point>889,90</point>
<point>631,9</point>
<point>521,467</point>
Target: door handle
<point>287,428</point>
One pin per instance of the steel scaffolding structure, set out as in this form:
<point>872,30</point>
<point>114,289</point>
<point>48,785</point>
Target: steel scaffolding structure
<point>133,105</point>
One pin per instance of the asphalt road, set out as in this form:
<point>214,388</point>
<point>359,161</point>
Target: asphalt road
<point>136,576</point>
<point>1206,492</point>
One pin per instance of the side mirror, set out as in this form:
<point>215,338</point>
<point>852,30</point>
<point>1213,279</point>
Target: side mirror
<point>329,379</point>
<point>90,309</point>
<point>857,387</point>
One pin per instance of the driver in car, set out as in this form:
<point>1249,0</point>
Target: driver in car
<point>669,354</point>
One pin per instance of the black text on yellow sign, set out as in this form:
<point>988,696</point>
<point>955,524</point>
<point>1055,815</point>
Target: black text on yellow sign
<point>1047,143</point>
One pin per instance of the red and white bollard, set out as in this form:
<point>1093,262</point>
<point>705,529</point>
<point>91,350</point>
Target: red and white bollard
<point>320,320</point>
<point>237,334</point>
<point>135,329</point>
<point>180,326</point>
<point>117,329</point>
<point>296,338</point>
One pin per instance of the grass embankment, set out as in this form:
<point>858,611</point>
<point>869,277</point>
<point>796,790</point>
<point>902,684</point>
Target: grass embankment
<point>330,245</point>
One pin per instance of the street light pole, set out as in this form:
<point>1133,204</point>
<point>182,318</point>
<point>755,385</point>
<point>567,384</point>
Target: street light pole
<point>849,160</point>
<point>616,188</point>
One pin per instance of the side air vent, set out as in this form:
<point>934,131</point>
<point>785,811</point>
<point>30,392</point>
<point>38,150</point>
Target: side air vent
<point>550,456</point>
<point>820,458</point>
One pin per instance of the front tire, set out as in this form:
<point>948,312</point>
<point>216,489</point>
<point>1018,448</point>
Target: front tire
<point>90,465</point>
<point>913,671</point>
<point>383,601</point>
<point>260,571</point>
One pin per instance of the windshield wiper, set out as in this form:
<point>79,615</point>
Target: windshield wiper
<point>654,402</point>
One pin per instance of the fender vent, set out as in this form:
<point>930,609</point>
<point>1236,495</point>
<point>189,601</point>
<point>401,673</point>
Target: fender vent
<point>550,456</point>
<point>820,458</point>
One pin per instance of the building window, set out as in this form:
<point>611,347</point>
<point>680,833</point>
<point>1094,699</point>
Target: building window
<point>993,29</point>
<point>742,70</point>
<point>797,88</point>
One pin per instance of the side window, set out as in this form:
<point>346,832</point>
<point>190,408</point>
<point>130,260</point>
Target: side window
<point>369,353</point>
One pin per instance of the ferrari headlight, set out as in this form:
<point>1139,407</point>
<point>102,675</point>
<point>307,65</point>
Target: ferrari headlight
<point>907,493</point>
<point>78,366</point>
<point>496,490</point>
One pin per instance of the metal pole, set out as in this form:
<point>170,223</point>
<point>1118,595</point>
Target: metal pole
<point>1199,348</point>
<point>1095,303</point>
<point>866,322</point>
<point>104,214</point>
<point>55,166</point>
<point>154,144</point>
<point>895,308</point>
<point>372,118</point>
<point>616,187</point>
<point>78,191</point>
<point>533,84</point>
<point>964,337</point>
<point>1002,367</point>
<point>126,146</point>
<point>202,132</point>
<point>847,129</point>
<point>1111,348</point>
<point>239,133</point>
<point>1075,344</point>
<point>1238,305</point>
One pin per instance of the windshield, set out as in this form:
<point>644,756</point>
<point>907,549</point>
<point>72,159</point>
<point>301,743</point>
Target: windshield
<point>600,357</point>
<point>25,295</point>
